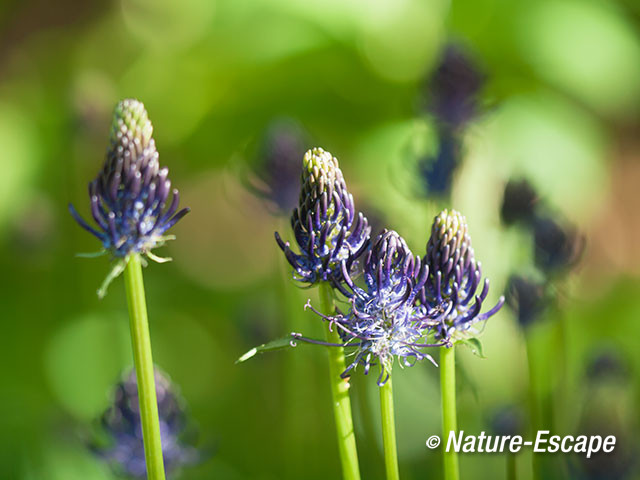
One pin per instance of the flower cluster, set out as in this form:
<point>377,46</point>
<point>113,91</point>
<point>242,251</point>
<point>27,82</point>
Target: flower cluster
<point>398,304</point>
<point>121,421</point>
<point>326,226</point>
<point>132,202</point>
<point>406,304</point>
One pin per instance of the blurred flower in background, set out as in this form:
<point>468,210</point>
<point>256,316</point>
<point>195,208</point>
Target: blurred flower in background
<point>518,202</point>
<point>277,163</point>
<point>527,298</point>
<point>121,423</point>
<point>607,403</point>
<point>556,248</point>
<point>507,420</point>
<point>438,171</point>
<point>451,98</point>
<point>453,89</point>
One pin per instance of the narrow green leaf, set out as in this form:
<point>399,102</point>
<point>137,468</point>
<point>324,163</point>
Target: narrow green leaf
<point>279,344</point>
<point>475,345</point>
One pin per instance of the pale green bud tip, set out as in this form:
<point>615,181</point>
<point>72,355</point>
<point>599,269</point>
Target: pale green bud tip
<point>130,120</point>
<point>450,220</point>
<point>450,227</point>
<point>320,169</point>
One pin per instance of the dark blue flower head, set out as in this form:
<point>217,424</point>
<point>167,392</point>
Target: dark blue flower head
<point>132,202</point>
<point>326,226</point>
<point>451,292</point>
<point>557,246</point>
<point>527,298</point>
<point>454,88</point>
<point>507,420</point>
<point>438,171</point>
<point>519,202</point>
<point>279,152</point>
<point>607,365</point>
<point>389,268</point>
<point>122,424</point>
<point>383,321</point>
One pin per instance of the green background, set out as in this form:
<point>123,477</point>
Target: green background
<point>561,108</point>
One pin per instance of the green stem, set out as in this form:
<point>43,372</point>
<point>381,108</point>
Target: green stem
<point>560,411</point>
<point>389,431</point>
<point>512,471</point>
<point>367,417</point>
<point>144,368</point>
<point>340,394</point>
<point>534,408</point>
<point>449,417</point>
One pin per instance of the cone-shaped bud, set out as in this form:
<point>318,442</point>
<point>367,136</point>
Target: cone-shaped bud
<point>122,425</point>
<point>132,202</point>
<point>451,293</point>
<point>326,226</point>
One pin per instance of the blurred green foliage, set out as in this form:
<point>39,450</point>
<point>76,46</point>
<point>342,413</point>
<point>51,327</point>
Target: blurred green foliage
<point>563,94</point>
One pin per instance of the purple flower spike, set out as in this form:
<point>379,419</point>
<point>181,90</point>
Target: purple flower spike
<point>132,202</point>
<point>326,226</point>
<point>454,292</point>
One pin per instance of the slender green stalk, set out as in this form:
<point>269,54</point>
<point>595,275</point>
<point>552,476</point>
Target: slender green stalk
<point>561,408</point>
<point>535,414</point>
<point>367,417</point>
<point>512,470</point>
<point>389,431</point>
<point>449,417</point>
<point>144,368</point>
<point>340,394</point>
